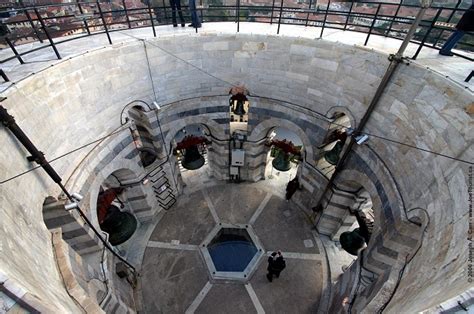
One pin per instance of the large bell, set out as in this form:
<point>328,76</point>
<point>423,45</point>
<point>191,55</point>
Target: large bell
<point>119,225</point>
<point>332,156</point>
<point>192,158</point>
<point>239,108</point>
<point>281,161</point>
<point>352,241</point>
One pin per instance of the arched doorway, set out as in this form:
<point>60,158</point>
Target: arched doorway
<point>190,148</point>
<point>238,109</point>
<point>358,226</point>
<point>284,156</point>
<point>116,203</point>
<point>334,143</point>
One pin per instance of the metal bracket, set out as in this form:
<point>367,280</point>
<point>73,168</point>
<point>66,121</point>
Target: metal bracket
<point>398,58</point>
<point>40,160</point>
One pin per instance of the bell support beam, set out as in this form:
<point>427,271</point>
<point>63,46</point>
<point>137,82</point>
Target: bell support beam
<point>38,157</point>
<point>395,61</point>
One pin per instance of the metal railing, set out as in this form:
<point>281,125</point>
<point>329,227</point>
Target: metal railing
<point>54,24</point>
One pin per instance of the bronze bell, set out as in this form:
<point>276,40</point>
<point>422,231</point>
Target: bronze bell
<point>119,225</point>
<point>239,108</point>
<point>192,158</point>
<point>332,156</point>
<point>352,241</point>
<point>281,161</point>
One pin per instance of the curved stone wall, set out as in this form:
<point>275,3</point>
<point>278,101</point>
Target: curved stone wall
<point>290,79</point>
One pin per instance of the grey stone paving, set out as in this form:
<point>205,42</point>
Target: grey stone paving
<point>174,278</point>
<point>229,203</point>
<point>281,226</point>
<point>296,291</point>
<point>171,279</point>
<point>189,222</point>
<point>227,298</point>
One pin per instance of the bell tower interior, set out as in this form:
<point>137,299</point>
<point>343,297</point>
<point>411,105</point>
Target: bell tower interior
<point>152,168</point>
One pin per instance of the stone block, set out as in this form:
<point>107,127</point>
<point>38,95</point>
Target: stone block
<point>324,64</point>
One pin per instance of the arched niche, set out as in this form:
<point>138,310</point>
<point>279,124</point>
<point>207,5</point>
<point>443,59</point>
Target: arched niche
<point>136,194</point>
<point>116,205</point>
<point>334,111</point>
<point>335,141</point>
<point>397,234</point>
<point>215,130</point>
<point>262,130</point>
<point>283,142</point>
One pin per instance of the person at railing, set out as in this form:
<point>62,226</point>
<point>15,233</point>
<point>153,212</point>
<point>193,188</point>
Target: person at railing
<point>176,4</point>
<point>465,24</point>
<point>195,22</point>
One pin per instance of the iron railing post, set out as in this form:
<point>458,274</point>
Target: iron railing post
<point>422,43</point>
<point>469,77</point>
<point>307,15</point>
<point>348,15</point>
<point>393,20</point>
<point>103,22</point>
<point>372,25</point>
<point>273,9</point>
<point>126,14</point>
<point>279,19</point>
<point>151,19</point>
<point>238,16</point>
<point>165,11</point>
<point>85,22</point>
<point>6,79</point>
<point>200,11</point>
<point>12,47</point>
<point>43,26</point>
<point>325,17</point>
<point>28,16</point>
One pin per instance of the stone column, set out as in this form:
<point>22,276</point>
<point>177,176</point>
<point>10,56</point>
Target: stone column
<point>218,159</point>
<point>336,214</point>
<point>255,160</point>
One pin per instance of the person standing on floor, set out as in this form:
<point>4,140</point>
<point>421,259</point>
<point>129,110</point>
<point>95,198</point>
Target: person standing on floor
<point>276,263</point>
<point>176,4</point>
<point>465,24</point>
<point>195,22</point>
<point>291,188</point>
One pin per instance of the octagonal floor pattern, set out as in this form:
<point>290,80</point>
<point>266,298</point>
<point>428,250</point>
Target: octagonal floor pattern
<point>174,276</point>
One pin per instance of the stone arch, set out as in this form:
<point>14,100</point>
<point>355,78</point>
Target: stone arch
<point>124,115</point>
<point>356,207</point>
<point>127,171</point>
<point>216,129</point>
<point>357,180</point>
<point>331,111</point>
<point>217,137</point>
<point>262,129</point>
<point>397,235</point>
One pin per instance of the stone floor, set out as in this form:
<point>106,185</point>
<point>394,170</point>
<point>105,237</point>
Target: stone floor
<point>175,279</point>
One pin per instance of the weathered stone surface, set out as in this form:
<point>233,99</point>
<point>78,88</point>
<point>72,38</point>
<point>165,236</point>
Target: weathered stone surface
<point>80,100</point>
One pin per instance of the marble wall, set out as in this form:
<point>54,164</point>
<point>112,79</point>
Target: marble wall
<point>294,83</point>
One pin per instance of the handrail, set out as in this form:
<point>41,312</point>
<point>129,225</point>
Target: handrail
<point>104,18</point>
